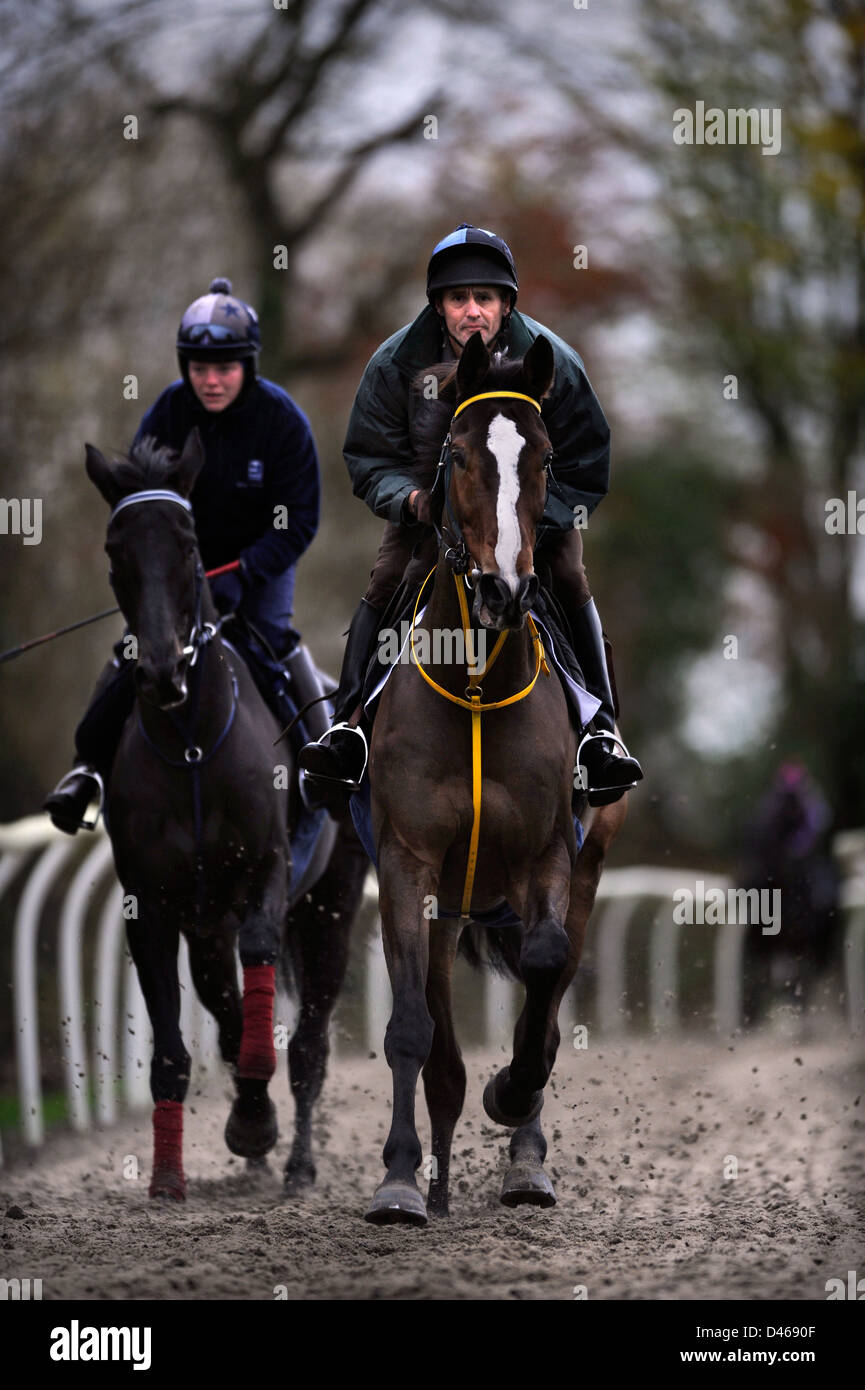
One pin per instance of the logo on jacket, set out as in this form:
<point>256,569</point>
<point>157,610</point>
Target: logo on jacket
<point>254,473</point>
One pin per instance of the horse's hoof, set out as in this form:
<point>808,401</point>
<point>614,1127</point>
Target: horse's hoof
<point>502,1117</point>
<point>397,1202</point>
<point>251,1135</point>
<point>168,1183</point>
<point>526,1184</point>
<point>297,1181</point>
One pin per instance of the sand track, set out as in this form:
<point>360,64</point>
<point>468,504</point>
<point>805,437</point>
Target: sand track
<point>639,1134</point>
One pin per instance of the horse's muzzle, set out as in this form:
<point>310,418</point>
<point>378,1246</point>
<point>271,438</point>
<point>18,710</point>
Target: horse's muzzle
<point>506,609</point>
<point>164,687</point>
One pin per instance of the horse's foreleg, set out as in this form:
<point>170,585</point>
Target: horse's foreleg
<point>515,1095</point>
<point>153,946</point>
<point>404,881</point>
<point>317,940</point>
<point>251,1129</point>
<point>526,1181</point>
<point>212,961</point>
<point>444,1075</point>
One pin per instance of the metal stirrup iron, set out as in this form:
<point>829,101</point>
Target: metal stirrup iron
<point>94,776</point>
<point>613,738</point>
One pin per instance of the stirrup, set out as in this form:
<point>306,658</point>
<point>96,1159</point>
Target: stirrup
<point>347,784</point>
<point>613,738</point>
<point>83,770</point>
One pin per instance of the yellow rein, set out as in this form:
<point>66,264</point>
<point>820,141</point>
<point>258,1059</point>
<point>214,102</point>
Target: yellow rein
<point>473,704</point>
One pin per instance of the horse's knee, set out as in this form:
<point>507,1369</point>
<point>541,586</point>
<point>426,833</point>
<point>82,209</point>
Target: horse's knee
<point>409,1036</point>
<point>260,940</point>
<point>545,950</point>
<point>169,1073</point>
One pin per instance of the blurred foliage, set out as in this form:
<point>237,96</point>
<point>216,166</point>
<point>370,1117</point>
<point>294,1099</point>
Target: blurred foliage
<point>301,127</point>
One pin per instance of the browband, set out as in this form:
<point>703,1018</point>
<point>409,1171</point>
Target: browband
<point>492,395</point>
<point>154,494</point>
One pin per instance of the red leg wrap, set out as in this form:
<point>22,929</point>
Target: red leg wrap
<point>257,1054</point>
<point>168,1179</point>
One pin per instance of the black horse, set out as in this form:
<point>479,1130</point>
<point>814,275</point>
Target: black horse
<point>197,808</point>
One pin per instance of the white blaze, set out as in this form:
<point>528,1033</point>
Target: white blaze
<point>505,442</point>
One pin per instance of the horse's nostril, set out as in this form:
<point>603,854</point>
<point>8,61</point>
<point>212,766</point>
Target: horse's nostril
<point>528,591</point>
<point>494,592</point>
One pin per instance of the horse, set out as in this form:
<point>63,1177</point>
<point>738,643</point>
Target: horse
<point>197,811</point>
<point>471,796</point>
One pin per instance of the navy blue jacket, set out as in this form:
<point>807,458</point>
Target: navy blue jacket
<point>259,455</point>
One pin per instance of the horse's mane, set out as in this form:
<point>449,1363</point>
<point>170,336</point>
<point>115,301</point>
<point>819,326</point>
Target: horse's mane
<point>430,417</point>
<point>150,464</point>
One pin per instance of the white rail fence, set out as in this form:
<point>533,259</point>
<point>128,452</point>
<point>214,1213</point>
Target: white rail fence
<point>634,919</point>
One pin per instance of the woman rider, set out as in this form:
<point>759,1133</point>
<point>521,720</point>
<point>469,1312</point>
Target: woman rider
<point>256,499</point>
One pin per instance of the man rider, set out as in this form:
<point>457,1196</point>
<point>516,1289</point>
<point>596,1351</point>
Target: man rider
<point>471,287</point>
<point>256,499</point>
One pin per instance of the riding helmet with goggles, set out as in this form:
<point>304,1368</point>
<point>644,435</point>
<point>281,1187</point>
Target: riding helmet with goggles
<point>218,327</point>
<point>471,256</point>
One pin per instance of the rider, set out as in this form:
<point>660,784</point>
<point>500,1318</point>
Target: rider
<point>471,287</point>
<point>256,499</point>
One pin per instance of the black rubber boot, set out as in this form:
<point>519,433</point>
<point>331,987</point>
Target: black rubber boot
<point>332,768</point>
<point>96,741</point>
<point>67,804</point>
<point>608,775</point>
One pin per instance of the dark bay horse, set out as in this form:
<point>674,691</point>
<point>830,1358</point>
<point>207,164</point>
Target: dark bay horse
<point>197,812</point>
<point>423,803</point>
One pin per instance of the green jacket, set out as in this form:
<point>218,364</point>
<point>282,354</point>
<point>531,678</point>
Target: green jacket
<point>378,448</point>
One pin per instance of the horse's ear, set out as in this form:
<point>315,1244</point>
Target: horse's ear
<point>189,464</point>
<point>474,365</point>
<point>101,474</point>
<point>539,366</point>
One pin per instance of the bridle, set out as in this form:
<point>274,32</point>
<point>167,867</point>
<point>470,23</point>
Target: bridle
<point>194,757</point>
<point>457,552</point>
<point>201,633</point>
<point>458,557</point>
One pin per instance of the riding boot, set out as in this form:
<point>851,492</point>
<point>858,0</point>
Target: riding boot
<point>333,767</point>
<point>607,775</point>
<point>96,741</point>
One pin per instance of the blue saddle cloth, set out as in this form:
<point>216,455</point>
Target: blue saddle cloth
<point>361,813</point>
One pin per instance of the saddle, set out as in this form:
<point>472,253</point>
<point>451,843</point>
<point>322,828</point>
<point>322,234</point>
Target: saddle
<point>546,609</point>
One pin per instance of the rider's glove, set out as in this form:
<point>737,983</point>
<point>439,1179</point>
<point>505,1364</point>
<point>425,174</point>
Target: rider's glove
<point>227,591</point>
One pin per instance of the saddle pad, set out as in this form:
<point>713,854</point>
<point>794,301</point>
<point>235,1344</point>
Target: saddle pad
<point>314,834</point>
<point>587,704</point>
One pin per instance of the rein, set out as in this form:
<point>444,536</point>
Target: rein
<point>459,560</point>
<point>474,691</point>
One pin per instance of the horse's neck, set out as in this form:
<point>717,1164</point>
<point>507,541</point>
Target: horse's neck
<point>513,667</point>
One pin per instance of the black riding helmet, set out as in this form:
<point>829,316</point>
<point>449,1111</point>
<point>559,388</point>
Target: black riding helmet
<point>471,256</point>
<point>218,327</point>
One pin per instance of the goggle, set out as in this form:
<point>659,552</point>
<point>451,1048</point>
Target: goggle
<point>209,332</point>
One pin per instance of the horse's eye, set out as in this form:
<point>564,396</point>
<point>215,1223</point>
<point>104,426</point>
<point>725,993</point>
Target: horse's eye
<point>458,457</point>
